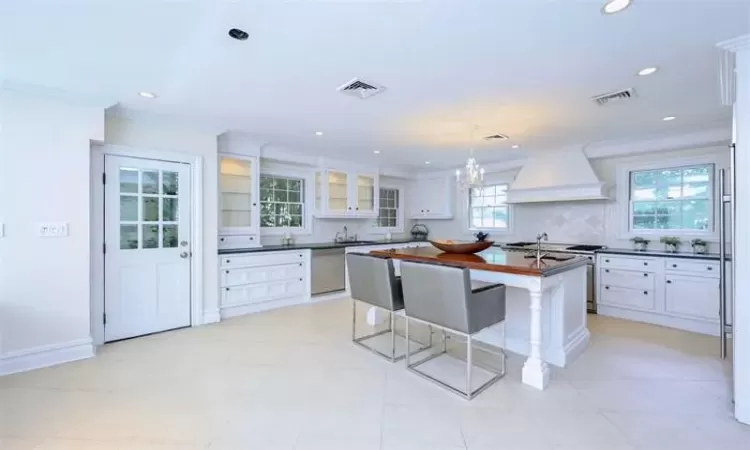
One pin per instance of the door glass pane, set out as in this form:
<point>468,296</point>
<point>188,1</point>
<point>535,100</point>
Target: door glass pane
<point>170,236</point>
<point>170,183</point>
<point>169,209</point>
<point>128,237</point>
<point>365,193</point>
<point>150,236</point>
<point>150,209</point>
<point>338,198</point>
<point>129,180</point>
<point>129,207</point>
<point>150,182</point>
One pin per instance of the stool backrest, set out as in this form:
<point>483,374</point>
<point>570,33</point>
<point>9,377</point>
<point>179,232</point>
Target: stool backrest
<point>372,280</point>
<point>437,293</point>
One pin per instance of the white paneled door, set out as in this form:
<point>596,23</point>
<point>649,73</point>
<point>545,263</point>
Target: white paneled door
<point>147,257</point>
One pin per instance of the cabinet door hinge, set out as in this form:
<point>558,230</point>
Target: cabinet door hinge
<point>104,318</point>
<point>104,178</point>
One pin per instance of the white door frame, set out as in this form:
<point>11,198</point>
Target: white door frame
<point>98,151</point>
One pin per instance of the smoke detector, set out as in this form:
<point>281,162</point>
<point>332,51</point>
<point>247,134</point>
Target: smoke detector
<point>360,88</point>
<point>614,97</point>
<point>494,137</point>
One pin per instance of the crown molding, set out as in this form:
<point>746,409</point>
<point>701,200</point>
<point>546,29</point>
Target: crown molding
<point>736,44</point>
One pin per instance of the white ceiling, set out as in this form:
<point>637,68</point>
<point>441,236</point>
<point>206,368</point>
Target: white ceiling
<point>525,68</point>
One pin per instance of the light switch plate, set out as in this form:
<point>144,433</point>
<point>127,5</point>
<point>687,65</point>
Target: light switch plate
<point>52,229</point>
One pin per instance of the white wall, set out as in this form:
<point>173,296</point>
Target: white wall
<point>44,282</point>
<point>592,222</point>
<point>148,132</point>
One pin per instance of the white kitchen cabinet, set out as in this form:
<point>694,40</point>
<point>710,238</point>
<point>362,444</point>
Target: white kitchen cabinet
<point>692,296</point>
<point>239,211</point>
<point>258,281</point>
<point>342,193</point>
<point>431,198</point>
<point>674,292</point>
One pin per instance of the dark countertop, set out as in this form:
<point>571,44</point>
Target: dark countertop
<point>660,253</point>
<point>314,246</point>
<point>493,259</point>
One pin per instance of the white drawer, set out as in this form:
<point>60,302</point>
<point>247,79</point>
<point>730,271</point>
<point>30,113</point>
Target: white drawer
<point>263,258</point>
<point>698,267</point>
<point>258,293</point>
<point>262,274</point>
<point>612,261</point>
<point>242,241</point>
<point>642,299</point>
<point>626,278</point>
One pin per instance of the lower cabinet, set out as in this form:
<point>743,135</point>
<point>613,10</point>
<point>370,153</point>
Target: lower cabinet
<point>672,292</point>
<point>257,281</point>
<point>692,296</point>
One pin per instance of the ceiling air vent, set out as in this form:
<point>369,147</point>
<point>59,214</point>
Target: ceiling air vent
<point>614,97</point>
<point>496,137</point>
<point>360,88</point>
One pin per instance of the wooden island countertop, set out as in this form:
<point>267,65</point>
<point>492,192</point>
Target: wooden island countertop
<point>493,259</point>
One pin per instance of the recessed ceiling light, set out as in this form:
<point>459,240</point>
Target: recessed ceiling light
<point>615,6</point>
<point>668,118</point>
<point>318,133</point>
<point>647,71</point>
<point>147,94</point>
<point>377,152</point>
<point>515,146</point>
<point>240,35</point>
<point>426,162</point>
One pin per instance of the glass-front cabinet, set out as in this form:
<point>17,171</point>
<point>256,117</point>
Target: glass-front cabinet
<point>238,191</point>
<point>341,193</point>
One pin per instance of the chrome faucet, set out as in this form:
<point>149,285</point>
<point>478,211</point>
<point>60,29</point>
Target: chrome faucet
<point>338,237</point>
<point>539,238</point>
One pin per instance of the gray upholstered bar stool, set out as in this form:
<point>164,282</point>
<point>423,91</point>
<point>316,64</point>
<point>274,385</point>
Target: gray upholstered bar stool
<point>442,296</point>
<point>372,280</point>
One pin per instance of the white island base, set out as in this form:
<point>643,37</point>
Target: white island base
<point>545,320</point>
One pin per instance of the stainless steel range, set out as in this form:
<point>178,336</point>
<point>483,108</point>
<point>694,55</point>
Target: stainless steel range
<point>580,249</point>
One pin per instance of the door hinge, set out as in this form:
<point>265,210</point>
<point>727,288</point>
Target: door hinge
<point>104,178</point>
<point>104,318</point>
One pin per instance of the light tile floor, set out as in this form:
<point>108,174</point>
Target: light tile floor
<point>291,380</point>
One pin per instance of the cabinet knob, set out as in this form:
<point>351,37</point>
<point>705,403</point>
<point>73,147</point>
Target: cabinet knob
<point>606,260</point>
<point>645,274</point>
<point>674,265</point>
<point>645,292</point>
<point>222,239</point>
<point>228,261</point>
<point>226,271</point>
<point>300,279</point>
<point>251,238</point>
<point>255,204</point>
<point>350,208</point>
<point>710,268</point>
<point>226,289</point>
<point>357,208</point>
<point>645,264</point>
<point>606,287</point>
<point>300,264</point>
<point>300,256</point>
<point>606,270</point>
<point>669,281</point>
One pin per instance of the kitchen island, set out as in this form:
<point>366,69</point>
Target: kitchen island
<point>546,303</point>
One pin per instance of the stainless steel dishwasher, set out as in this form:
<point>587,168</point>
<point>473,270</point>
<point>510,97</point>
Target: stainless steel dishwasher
<point>328,270</point>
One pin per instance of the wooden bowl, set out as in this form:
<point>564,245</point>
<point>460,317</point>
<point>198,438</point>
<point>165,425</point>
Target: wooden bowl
<point>464,248</point>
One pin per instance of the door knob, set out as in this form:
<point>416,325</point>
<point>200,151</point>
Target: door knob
<point>184,255</point>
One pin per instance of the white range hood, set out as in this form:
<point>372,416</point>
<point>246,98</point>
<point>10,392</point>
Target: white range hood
<point>556,176</point>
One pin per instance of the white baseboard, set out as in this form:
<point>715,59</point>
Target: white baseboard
<point>680,323</point>
<point>212,316</point>
<point>45,356</point>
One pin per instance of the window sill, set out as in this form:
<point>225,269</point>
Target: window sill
<point>379,230</point>
<point>654,235</point>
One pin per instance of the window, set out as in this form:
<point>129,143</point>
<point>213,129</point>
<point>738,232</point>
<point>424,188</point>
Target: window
<point>282,202</point>
<point>672,199</point>
<point>487,207</point>
<point>389,216</point>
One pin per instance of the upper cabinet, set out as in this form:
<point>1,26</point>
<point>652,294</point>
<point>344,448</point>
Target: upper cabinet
<point>238,198</point>
<point>431,198</point>
<point>340,193</point>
